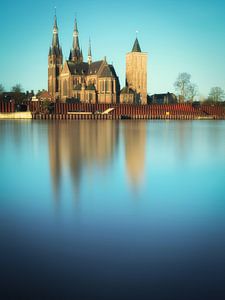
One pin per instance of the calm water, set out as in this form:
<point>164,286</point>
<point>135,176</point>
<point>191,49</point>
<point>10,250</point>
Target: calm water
<point>112,210</point>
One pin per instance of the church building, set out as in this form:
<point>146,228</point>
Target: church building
<point>94,81</point>
<point>90,82</point>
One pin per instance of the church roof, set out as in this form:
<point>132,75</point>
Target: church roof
<point>127,90</point>
<point>95,66</point>
<point>78,68</point>
<point>91,69</point>
<point>106,72</point>
<point>112,70</point>
<point>136,47</point>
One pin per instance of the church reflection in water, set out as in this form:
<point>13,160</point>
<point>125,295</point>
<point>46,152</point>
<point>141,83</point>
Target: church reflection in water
<point>75,146</point>
<point>135,147</point>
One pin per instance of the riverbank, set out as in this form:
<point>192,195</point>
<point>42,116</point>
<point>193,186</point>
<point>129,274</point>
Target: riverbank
<point>86,116</point>
<point>16,115</point>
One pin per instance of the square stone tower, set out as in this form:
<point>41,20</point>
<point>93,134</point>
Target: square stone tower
<point>136,73</point>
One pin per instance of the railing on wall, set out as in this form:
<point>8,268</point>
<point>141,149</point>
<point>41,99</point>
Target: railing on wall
<point>155,111</point>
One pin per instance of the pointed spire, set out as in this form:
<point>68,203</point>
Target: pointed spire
<point>136,47</point>
<point>75,25</point>
<point>70,56</point>
<point>55,38</point>
<point>89,49</point>
<point>55,48</point>
<point>77,55</point>
<point>89,53</point>
<point>75,36</point>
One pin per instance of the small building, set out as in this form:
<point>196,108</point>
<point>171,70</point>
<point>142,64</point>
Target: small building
<point>127,96</point>
<point>43,96</point>
<point>167,98</point>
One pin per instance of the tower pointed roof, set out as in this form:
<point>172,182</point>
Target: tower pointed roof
<point>55,48</point>
<point>55,37</point>
<point>75,36</point>
<point>55,21</point>
<point>75,25</point>
<point>89,53</point>
<point>89,48</point>
<point>136,47</point>
<point>76,53</point>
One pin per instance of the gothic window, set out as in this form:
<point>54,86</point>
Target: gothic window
<point>102,86</point>
<point>106,86</point>
<point>65,88</point>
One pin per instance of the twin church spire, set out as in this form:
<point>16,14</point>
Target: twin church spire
<point>76,54</point>
<point>55,48</point>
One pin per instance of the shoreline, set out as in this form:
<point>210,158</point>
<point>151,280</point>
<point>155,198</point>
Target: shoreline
<point>90,116</point>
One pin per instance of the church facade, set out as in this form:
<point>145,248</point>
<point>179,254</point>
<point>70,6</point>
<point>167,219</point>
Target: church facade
<point>94,81</point>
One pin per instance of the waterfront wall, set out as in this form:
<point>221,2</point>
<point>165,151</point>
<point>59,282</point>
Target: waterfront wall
<point>7,107</point>
<point>16,115</point>
<point>60,111</point>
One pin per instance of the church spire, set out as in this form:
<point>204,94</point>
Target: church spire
<point>136,47</point>
<point>75,36</point>
<point>55,61</point>
<point>55,48</point>
<point>76,54</point>
<point>89,53</point>
<point>55,37</point>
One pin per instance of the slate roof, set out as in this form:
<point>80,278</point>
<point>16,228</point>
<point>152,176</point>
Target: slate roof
<point>136,47</point>
<point>78,68</point>
<point>92,69</point>
<point>55,51</point>
<point>106,72</point>
<point>127,90</point>
<point>112,70</point>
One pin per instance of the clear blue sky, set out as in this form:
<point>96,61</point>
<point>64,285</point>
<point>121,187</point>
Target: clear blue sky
<point>179,36</point>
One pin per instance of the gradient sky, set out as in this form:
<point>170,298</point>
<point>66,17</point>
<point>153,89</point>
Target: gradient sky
<point>179,36</point>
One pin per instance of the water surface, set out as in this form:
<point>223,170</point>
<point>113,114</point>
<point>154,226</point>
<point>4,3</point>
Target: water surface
<point>112,210</point>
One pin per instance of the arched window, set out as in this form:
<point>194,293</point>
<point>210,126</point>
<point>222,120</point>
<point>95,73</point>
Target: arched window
<point>65,88</point>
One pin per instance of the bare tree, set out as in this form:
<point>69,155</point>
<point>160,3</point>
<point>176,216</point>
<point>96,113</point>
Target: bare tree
<point>192,91</point>
<point>184,87</point>
<point>1,88</point>
<point>17,88</point>
<point>216,94</point>
<point>182,83</point>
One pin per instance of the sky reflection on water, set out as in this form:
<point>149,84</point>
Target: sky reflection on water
<point>136,208</point>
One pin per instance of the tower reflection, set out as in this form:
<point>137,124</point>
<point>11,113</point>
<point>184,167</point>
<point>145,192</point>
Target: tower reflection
<point>74,146</point>
<point>135,151</point>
